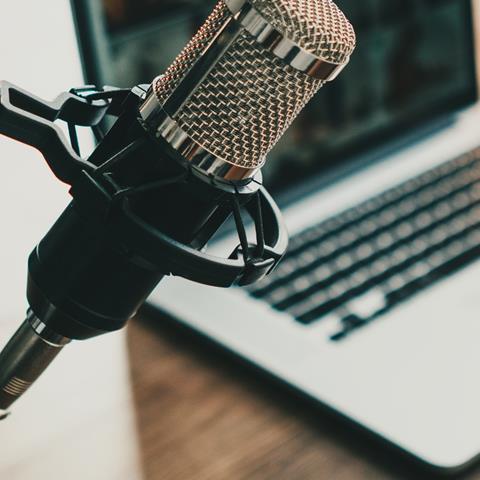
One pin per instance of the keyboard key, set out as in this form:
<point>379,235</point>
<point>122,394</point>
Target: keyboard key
<point>316,301</point>
<point>395,285</point>
<point>279,295</point>
<point>364,251</point>
<point>367,305</point>
<point>320,304</point>
<point>344,262</point>
<point>322,274</point>
<point>403,231</point>
<point>384,241</point>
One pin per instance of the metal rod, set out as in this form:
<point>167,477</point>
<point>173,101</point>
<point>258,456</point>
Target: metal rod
<point>26,356</point>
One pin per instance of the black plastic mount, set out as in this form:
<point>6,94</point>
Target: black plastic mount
<point>99,197</point>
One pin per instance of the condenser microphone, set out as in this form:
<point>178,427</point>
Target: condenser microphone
<point>246,75</point>
<point>184,155</point>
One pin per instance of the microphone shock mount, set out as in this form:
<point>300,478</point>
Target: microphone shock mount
<point>139,212</point>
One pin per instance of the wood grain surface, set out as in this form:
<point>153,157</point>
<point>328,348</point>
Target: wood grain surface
<point>203,415</point>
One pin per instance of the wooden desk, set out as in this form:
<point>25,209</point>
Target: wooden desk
<point>203,416</point>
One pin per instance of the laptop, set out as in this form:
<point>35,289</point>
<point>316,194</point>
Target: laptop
<point>375,310</point>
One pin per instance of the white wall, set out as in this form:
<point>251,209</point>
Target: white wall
<point>77,421</point>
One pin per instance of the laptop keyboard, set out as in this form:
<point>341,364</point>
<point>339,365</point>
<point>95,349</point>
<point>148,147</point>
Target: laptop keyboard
<point>363,262</point>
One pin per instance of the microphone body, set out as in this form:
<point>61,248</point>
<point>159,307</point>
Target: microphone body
<point>84,279</point>
<point>184,155</point>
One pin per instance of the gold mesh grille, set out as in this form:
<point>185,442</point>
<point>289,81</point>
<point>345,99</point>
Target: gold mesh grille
<point>319,26</point>
<point>251,97</point>
<point>166,84</point>
<point>246,103</point>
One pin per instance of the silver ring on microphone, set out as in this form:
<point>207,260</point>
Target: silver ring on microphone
<point>282,47</point>
<point>164,126</point>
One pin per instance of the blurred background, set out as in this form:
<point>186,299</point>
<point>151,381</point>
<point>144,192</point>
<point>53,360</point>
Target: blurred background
<point>402,64</point>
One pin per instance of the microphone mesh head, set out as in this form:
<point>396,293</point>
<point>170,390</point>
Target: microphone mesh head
<point>319,26</point>
<point>250,97</point>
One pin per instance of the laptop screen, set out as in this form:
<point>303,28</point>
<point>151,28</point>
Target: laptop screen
<point>414,63</point>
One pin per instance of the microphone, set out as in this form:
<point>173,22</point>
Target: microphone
<point>184,155</point>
